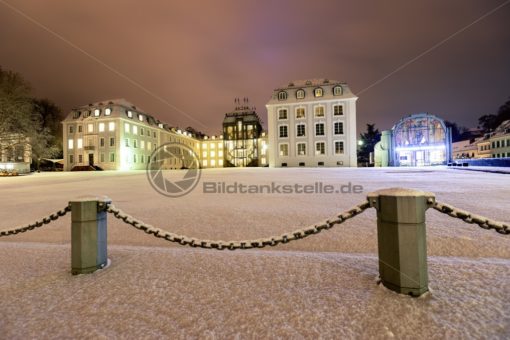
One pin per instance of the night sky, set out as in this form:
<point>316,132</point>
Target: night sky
<point>198,56</point>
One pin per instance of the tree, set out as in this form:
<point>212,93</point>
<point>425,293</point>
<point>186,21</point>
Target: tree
<point>20,122</point>
<point>457,130</point>
<point>50,116</point>
<point>491,121</point>
<point>367,143</point>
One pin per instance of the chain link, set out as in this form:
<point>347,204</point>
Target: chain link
<point>468,217</point>
<point>245,244</point>
<point>45,220</point>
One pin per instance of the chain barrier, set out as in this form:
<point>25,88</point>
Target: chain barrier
<point>245,244</point>
<point>45,220</point>
<point>470,218</point>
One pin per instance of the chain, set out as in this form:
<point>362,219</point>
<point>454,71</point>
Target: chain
<point>467,217</point>
<point>45,220</point>
<point>233,245</point>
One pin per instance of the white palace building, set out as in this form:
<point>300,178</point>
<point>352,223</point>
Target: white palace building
<point>312,123</point>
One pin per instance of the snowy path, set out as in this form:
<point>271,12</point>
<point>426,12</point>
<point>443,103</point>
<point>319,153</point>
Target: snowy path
<point>321,286</point>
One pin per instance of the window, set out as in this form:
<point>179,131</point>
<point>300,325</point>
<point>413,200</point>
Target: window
<point>282,114</point>
<point>338,110</point>
<point>300,113</point>
<point>220,162</point>
<point>142,159</point>
<point>204,145</point>
<point>134,158</point>
<point>220,154</point>
<point>140,118</point>
<point>339,148</point>
<point>70,144</point>
<point>337,90</point>
<point>284,149</point>
<point>301,130</point>
<point>111,126</point>
<point>213,162</point>
<point>149,145</point>
<point>301,163</point>
<point>213,146</point>
<point>127,142</point>
<point>204,154</point>
<point>282,95</point>
<point>112,157</point>
<point>101,127</point>
<point>142,144</point>
<point>80,143</point>
<point>300,94</point>
<point>101,157</point>
<point>318,92</point>
<point>135,143</point>
<point>71,159</point>
<point>112,141</point>
<point>204,162</point>
<point>90,128</point>
<point>213,154</point>
<point>319,129</point>
<point>135,129</point>
<point>339,128</point>
<point>130,114</point>
<point>126,127</point>
<point>97,112</point>
<point>284,131</point>
<point>141,131</point>
<point>80,158</point>
<point>319,111</point>
<point>154,134</point>
<point>101,142</point>
<point>71,129</point>
<point>79,128</point>
<point>107,112</point>
<point>301,149</point>
<point>320,148</point>
<point>76,115</point>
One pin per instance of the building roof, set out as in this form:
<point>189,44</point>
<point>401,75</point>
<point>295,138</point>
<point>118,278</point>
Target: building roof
<point>308,86</point>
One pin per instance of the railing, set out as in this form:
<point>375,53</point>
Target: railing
<point>400,232</point>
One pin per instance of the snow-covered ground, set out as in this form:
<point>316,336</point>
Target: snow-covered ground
<point>322,286</point>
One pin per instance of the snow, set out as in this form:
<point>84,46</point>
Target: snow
<point>322,286</point>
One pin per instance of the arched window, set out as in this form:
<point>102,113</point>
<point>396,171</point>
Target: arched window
<point>300,94</point>
<point>318,92</point>
<point>282,95</point>
<point>97,112</point>
<point>338,91</point>
<point>107,112</point>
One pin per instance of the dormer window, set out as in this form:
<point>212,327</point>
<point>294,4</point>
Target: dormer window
<point>107,112</point>
<point>76,114</point>
<point>130,114</point>
<point>86,114</point>
<point>282,95</point>
<point>300,94</point>
<point>97,112</point>
<point>160,125</point>
<point>318,92</point>
<point>338,91</point>
<point>140,118</point>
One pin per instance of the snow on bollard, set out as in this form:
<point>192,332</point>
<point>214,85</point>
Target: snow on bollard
<point>401,238</point>
<point>88,234</point>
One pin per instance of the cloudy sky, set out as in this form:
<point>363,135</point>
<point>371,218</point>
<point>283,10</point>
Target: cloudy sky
<point>186,61</point>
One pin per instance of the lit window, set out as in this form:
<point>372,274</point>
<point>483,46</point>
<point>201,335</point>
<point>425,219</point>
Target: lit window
<point>213,146</point>
<point>300,113</point>
<point>142,144</point>
<point>320,148</point>
<point>96,112</point>
<point>318,92</point>
<point>149,145</point>
<point>284,149</point>
<point>220,162</point>
<point>160,125</point>
<point>90,128</point>
<point>140,118</point>
<point>301,130</point>
<point>204,154</point>
<point>282,95</point>
<point>339,128</point>
<point>282,114</point>
<point>111,126</point>
<point>319,111</point>
<point>213,154</point>
<point>107,112</point>
<point>204,145</point>
<point>220,153</point>
<point>338,110</point>
<point>300,94</point>
<point>70,144</point>
<point>126,127</point>
<point>319,129</point>
<point>130,114</point>
<point>338,91</point>
<point>213,162</point>
<point>284,131</point>
<point>301,148</point>
<point>80,143</point>
<point>204,162</point>
<point>339,147</point>
<point>135,129</point>
<point>101,127</point>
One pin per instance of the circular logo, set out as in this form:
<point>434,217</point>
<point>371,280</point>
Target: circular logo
<point>173,169</point>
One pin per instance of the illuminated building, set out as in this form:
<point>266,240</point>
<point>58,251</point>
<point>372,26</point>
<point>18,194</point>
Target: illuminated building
<point>312,123</point>
<point>417,140</point>
<point>243,137</point>
<point>15,153</point>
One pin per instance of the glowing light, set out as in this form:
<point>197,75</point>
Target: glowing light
<point>414,148</point>
<point>360,142</point>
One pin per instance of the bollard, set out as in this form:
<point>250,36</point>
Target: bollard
<point>401,237</point>
<point>88,234</point>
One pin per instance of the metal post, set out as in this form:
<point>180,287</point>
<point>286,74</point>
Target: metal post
<point>402,239</point>
<point>88,234</point>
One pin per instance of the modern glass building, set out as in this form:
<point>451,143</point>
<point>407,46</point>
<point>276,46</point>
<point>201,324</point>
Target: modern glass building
<point>417,140</point>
